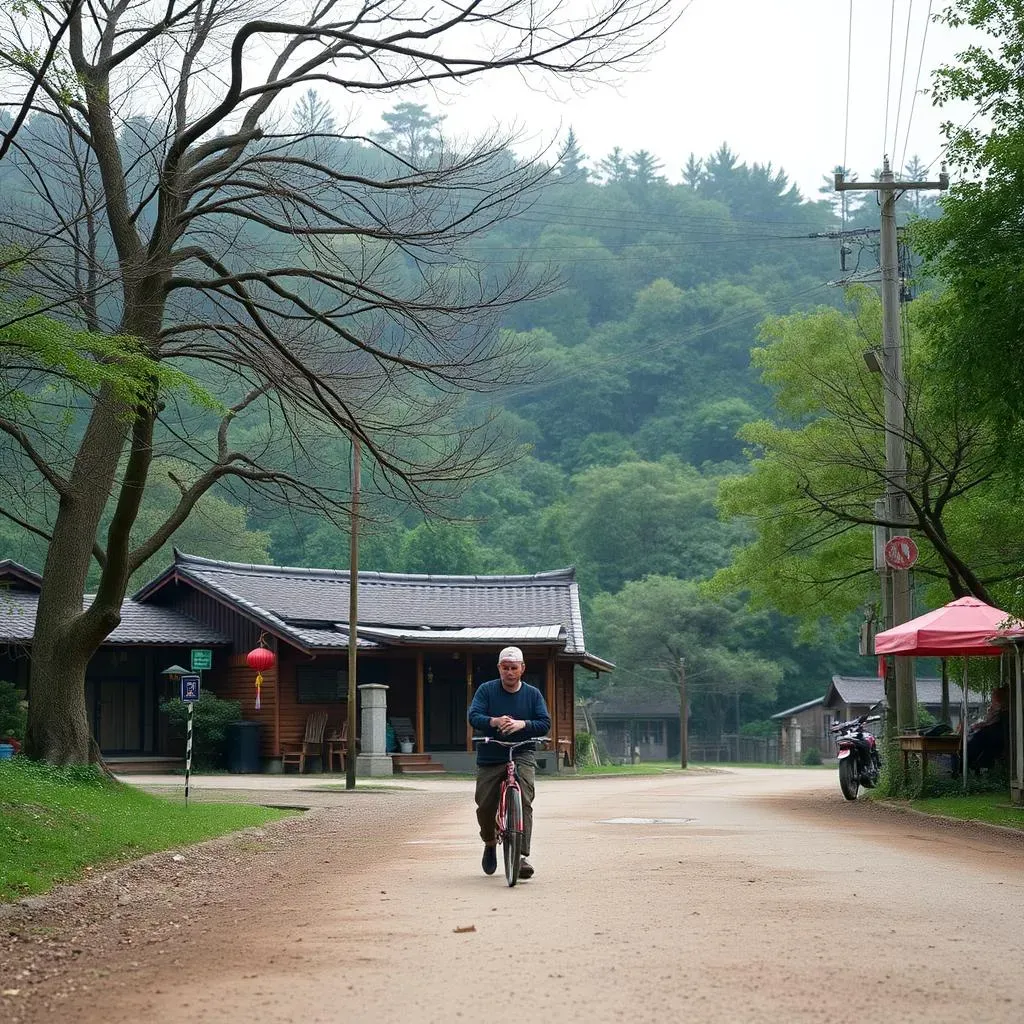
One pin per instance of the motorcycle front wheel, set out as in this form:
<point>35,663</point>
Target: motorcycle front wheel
<point>849,783</point>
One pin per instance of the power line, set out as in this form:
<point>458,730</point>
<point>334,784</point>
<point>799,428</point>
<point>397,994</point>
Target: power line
<point>849,67</point>
<point>917,84</point>
<point>903,72</point>
<point>888,74</point>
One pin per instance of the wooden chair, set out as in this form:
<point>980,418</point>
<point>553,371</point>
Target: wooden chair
<point>312,744</point>
<point>337,747</point>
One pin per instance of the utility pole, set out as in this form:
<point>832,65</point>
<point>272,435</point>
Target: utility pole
<point>683,737</point>
<point>353,617</point>
<point>895,388</point>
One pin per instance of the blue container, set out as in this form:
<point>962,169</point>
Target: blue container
<point>6,751</point>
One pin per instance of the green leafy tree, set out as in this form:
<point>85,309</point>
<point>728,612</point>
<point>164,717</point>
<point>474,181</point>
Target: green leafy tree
<point>641,518</point>
<point>818,471</point>
<point>976,247</point>
<point>652,623</point>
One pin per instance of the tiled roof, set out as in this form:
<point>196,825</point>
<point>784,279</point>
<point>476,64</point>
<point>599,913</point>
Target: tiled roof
<point>315,603</point>
<point>14,574</point>
<point>140,623</point>
<point>478,634</point>
<point>870,690</point>
<point>641,706</point>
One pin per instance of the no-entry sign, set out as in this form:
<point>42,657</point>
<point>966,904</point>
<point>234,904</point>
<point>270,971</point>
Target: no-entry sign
<point>900,553</point>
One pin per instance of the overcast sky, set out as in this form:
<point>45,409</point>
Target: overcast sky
<point>766,76</point>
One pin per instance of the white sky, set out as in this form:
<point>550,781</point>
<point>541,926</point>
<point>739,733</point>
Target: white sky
<point>766,76</point>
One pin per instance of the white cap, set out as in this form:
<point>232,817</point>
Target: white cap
<point>512,654</point>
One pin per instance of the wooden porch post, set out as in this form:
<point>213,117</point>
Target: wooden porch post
<point>420,737</point>
<point>276,648</point>
<point>469,699</point>
<point>552,702</point>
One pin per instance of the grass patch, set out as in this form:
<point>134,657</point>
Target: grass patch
<point>993,808</point>
<point>56,822</point>
<point>643,768</point>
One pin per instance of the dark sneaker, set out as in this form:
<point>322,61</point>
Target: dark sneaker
<point>490,860</point>
<point>525,869</point>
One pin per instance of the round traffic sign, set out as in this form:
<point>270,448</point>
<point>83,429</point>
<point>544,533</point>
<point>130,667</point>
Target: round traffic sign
<point>900,553</point>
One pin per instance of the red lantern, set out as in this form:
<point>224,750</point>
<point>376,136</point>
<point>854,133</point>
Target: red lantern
<point>260,658</point>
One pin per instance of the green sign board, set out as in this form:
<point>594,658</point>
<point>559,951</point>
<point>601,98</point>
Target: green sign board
<point>201,659</point>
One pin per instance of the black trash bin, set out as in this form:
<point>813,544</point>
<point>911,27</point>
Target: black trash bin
<point>243,745</point>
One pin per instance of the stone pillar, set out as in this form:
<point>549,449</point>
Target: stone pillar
<point>373,758</point>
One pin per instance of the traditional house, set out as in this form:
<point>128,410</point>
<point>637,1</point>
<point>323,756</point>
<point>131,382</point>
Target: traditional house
<point>431,639</point>
<point>809,724</point>
<point>803,728</point>
<point>123,683</point>
<point>850,696</point>
<point>644,728</point>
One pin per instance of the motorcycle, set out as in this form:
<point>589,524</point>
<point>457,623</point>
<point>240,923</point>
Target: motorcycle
<point>859,761</point>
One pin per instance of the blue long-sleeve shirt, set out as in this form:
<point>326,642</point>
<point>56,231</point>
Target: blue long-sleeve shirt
<point>492,700</point>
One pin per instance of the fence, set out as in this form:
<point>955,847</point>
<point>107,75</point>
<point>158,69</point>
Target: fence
<point>730,747</point>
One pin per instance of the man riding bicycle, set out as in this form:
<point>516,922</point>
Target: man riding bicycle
<point>508,709</point>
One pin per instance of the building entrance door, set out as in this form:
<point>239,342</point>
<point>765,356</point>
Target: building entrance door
<point>446,709</point>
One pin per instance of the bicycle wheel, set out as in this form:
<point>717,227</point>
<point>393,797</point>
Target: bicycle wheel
<point>512,839</point>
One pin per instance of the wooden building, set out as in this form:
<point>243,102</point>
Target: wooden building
<point>432,639</point>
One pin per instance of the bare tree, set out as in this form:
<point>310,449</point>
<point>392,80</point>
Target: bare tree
<point>199,262</point>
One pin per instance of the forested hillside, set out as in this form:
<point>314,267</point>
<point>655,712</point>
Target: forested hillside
<point>645,286</point>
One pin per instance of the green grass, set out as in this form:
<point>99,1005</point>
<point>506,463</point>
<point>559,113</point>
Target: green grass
<point>57,822</point>
<point>993,808</point>
<point>643,768</point>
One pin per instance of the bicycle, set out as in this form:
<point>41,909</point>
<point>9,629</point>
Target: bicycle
<point>509,816</point>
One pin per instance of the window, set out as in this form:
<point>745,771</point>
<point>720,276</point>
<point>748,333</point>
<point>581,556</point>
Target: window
<point>319,684</point>
<point>650,732</point>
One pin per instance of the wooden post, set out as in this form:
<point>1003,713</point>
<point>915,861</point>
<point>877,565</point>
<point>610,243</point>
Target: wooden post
<point>683,737</point>
<point>353,615</point>
<point>276,648</point>
<point>469,700</point>
<point>420,737</point>
<point>551,703</point>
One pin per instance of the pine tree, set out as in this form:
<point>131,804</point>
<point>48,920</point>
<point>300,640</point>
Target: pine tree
<point>644,168</point>
<point>313,115</point>
<point>843,203</point>
<point>615,167</point>
<point>412,133</point>
<point>693,172</point>
<point>571,160</point>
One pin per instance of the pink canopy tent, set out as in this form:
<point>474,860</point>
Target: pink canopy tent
<point>963,628</point>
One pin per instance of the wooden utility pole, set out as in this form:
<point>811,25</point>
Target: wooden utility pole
<point>353,617</point>
<point>895,388</point>
<point>683,738</point>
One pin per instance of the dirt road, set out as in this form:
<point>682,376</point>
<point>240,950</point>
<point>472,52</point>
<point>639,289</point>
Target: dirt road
<point>753,896</point>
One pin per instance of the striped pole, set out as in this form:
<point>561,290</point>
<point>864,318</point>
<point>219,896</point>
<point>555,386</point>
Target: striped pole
<point>188,752</point>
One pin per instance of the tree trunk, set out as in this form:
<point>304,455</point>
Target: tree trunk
<point>65,637</point>
<point>59,730</point>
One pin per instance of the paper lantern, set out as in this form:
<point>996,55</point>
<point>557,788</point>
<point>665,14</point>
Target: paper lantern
<point>260,658</point>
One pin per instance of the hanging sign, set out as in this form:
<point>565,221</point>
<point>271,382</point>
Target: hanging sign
<point>900,553</point>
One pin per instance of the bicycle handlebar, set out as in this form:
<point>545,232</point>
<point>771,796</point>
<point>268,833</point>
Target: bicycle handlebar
<point>506,743</point>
